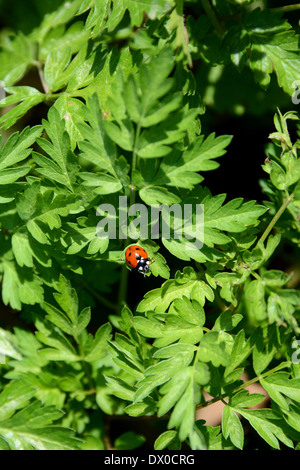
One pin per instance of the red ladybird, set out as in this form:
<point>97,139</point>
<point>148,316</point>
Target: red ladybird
<point>136,257</point>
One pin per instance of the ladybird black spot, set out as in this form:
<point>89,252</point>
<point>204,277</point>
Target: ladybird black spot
<point>137,248</point>
<point>130,254</point>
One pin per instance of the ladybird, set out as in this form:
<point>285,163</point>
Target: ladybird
<point>137,258</point>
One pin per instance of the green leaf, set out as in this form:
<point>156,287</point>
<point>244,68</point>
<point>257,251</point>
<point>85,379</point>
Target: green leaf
<point>97,147</point>
<point>97,15</point>
<point>185,284</point>
<point>174,328</point>
<point>59,347</point>
<point>129,440</point>
<point>56,62</point>
<point>272,45</point>
<point>102,183</point>
<point>83,233</point>
<point>183,414</point>
<point>58,318</point>
<point>62,168</point>
<point>191,311</point>
<point>279,385</point>
<point>275,277</point>
<point>165,440</point>
<point>265,423</point>
<point>265,348</point>
<point>44,210</point>
<point>8,345</point>
<point>182,170</point>
<point>17,146</point>
<point>245,399</point>
<point>213,350</point>
<point>26,96</point>
<point>125,361</point>
<point>22,249</point>
<point>232,428</point>
<point>72,111</point>
<point>154,142</point>
<point>124,391</point>
<point>226,321</point>
<point>98,347</point>
<point>60,16</point>
<point>136,10</point>
<point>145,100</point>
<point>161,373</point>
<point>67,298</point>
<point>196,439</point>
<point>255,300</point>
<point>10,175</point>
<point>15,56</point>
<point>20,286</point>
<point>15,395</point>
<point>158,195</point>
<point>84,319</point>
<point>10,191</point>
<point>141,409</point>
<point>233,216</point>
<point>32,428</point>
<point>173,390</point>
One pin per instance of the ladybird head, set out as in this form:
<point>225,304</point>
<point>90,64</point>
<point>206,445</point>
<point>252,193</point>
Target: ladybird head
<point>143,265</point>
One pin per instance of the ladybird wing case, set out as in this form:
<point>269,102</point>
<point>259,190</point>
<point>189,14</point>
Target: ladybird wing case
<point>130,258</point>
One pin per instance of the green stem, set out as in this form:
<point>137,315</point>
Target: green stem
<point>275,219</point>
<point>123,287</point>
<point>41,75</point>
<point>86,370</point>
<point>257,276</point>
<point>213,17</point>
<point>134,163</point>
<point>220,303</point>
<point>244,385</point>
<point>124,273</point>
<point>285,8</point>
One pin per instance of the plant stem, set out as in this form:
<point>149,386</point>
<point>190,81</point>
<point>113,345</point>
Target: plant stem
<point>124,273</point>
<point>86,370</point>
<point>275,219</point>
<point>244,385</point>
<point>41,75</point>
<point>220,303</point>
<point>285,8</point>
<point>123,287</point>
<point>133,163</point>
<point>213,17</point>
<point>257,276</point>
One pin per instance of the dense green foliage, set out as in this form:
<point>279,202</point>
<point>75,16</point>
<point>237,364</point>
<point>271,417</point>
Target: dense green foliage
<point>107,98</point>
